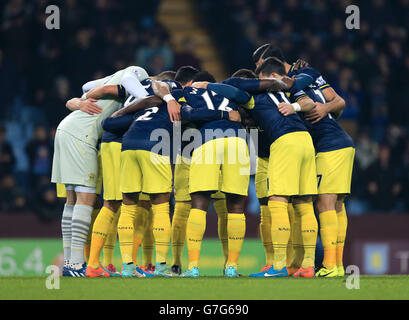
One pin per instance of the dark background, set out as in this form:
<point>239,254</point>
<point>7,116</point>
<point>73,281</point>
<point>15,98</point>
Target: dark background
<point>41,69</point>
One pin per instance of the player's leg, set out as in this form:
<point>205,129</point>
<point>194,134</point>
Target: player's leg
<point>235,172</point>
<point>157,182</point>
<point>66,226</point>
<point>334,170</point>
<point>341,234</point>
<point>141,216</point>
<point>284,170</point>
<point>81,221</point>
<point>308,230</point>
<point>109,244</point>
<point>94,215</point>
<point>130,185</point>
<point>161,231</point>
<point>110,155</point>
<point>221,211</point>
<point>295,251</point>
<point>236,230</point>
<point>325,205</point>
<point>304,209</point>
<point>181,211</point>
<point>265,218</point>
<point>203,181</point>
<point>101,228</point>
<point>148,238</point>
<point>195,229</point>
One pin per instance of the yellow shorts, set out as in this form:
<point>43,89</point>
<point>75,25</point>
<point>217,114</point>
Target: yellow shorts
<point>181,179</point>
<point>291,167</point>
<point>334,171</point>
<point>111,166</point>
<point>226,156</point>
<point>62,193</point>
<point>261,178</point>
<point>145,171</point>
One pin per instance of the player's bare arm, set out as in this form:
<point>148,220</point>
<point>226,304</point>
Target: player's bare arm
<point>138,104</point>
<point>87,105</point>
<point>162,90</point>
<point>335,106</point>
<point>304,104</point>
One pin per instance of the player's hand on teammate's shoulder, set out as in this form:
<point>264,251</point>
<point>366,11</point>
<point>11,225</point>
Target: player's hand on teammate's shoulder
<point>200,84</point>
<point>286,109</point>
<point>288,81</point>
<point>89,106</point>
<point>234,116</point>
<point>300,64</point>
<point>319,112</point>
<point>174,110</point>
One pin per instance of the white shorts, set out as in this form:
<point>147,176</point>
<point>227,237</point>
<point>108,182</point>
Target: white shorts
<point>75,162</point>
<point>71,187</point>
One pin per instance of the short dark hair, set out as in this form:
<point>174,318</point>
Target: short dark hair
<point>259,52</point>
<point>204,76</point>
<point>166,75</point>
<point>185,74</point>
<point>273,51</point>
<point>244,73</point>
<point>271,65</point>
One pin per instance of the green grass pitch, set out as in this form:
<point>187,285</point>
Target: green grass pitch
<point>212,288</point>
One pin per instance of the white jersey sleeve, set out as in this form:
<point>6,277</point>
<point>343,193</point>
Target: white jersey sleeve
<point>131,81</point>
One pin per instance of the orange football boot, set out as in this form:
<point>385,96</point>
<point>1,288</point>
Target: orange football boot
<point>96,273</point>
<point>305,273</point>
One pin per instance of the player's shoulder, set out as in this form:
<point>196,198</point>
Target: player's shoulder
<point>139,72</point>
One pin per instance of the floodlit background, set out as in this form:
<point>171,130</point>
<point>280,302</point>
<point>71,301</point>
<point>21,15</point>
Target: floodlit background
<point>41,69</point>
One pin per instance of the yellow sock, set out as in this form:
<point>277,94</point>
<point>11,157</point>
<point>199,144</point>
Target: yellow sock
<point>280,232</point>
<point>161,230</point>
<point>139,230</point>
<point>196,226</point>
<point>290,245</point>
<point>309,231</point>
<point>102,224</point>
<point>298,247</point>
<point>179,221</point>
<point>236,229</point>
<point>265,233</point>
<point>328,230</point>
<point>341,234</point>
<point>126,231</point>
<point>87,246</point>
<point>109,246</point>
<point>148,241</point>
<point>221,210</point>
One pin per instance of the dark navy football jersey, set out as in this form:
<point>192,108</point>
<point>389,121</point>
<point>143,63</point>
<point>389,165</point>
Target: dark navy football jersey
<point>327,134</point>
<point>140,134</point>
<point>263,108</point>
<point>198,98</point>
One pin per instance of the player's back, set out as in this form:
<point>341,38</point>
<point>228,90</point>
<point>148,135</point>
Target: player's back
<point>88,128</point>
<point>202,98</point>
<point>139,136</point>
<point>327,134</point>
<point>267,116</point>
